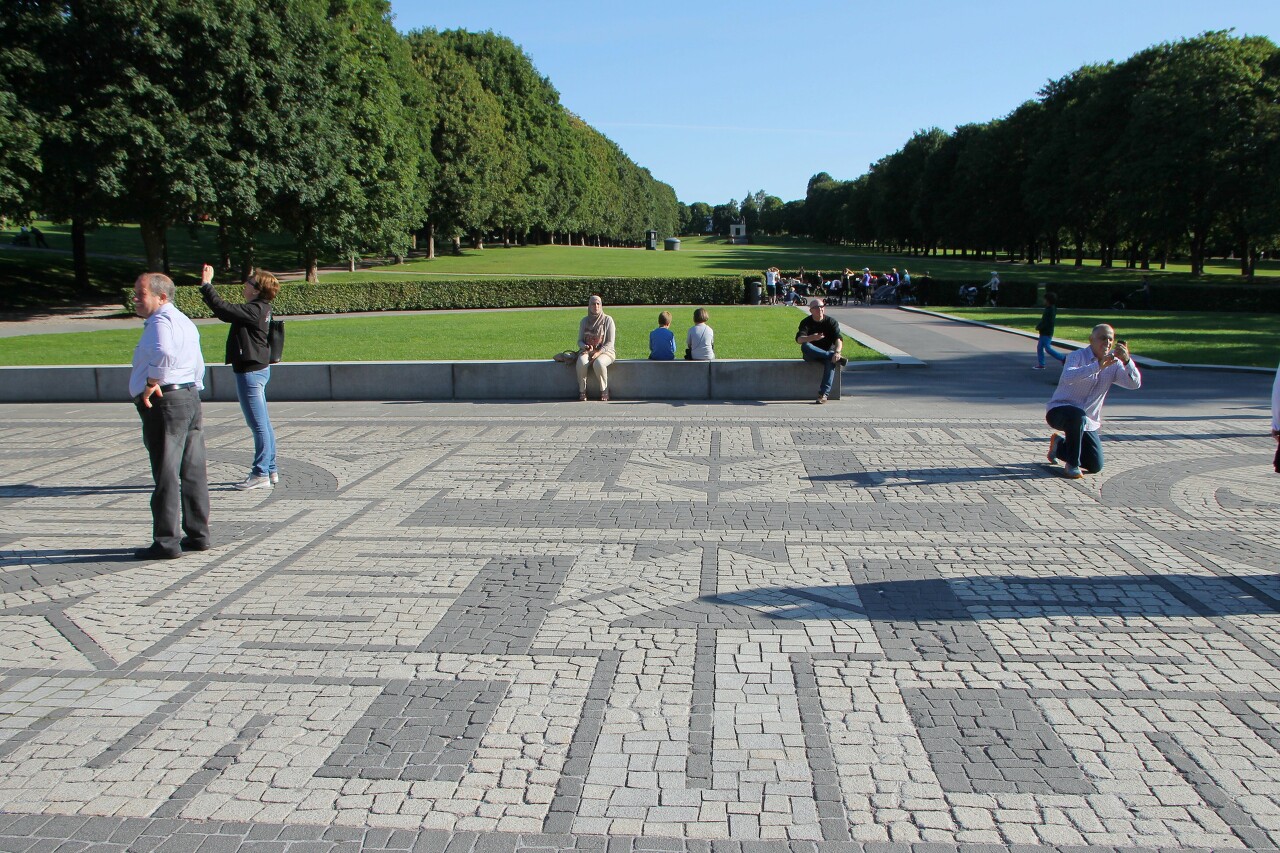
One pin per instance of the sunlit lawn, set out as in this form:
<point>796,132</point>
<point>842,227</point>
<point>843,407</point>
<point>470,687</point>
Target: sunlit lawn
<point>21,270</point>
<point>741,332</point>
<point>1180,337</point>
<point>713,256</point>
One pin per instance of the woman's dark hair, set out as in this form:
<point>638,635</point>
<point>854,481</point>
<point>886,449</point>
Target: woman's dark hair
<point>700,315</point>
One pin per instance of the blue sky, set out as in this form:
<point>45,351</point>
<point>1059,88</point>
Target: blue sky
<point>722,99</point>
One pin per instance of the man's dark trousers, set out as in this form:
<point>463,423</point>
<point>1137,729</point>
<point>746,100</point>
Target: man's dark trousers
<point>1079,448</point>
<point>173,433</point>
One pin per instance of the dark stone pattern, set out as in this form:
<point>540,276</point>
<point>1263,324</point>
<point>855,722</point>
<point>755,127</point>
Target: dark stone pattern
<point>502,608</point>
<point>992,741</point>
<point>144,727</point>
<point>213,767</point>
<point>700,515</point>
<point>41,834</point>
<point>568,796</point>
<point>417,731</point>
<point>32,570</point>
<point>921,618</point>
<point>596,464</point>
<point>832,816</point>
<point>827,467</point>
<point>701,710</point>
<point>1243,826</point>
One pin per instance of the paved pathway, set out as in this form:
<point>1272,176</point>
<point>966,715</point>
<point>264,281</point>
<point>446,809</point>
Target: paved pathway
<point>877,625</point>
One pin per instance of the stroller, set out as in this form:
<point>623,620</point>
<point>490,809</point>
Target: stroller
<point>968,295</point>
<point>885,294</point>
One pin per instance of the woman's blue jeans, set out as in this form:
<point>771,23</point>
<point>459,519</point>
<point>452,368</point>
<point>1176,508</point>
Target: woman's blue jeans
<point>251,390</point>
<point>1044,344</point>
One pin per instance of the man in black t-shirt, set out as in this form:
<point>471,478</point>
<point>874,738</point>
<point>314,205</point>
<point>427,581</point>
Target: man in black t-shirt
<point>820,340</point>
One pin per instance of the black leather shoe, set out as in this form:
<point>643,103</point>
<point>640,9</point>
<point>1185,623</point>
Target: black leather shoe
<point>188,544</point>
<point>155,552</point>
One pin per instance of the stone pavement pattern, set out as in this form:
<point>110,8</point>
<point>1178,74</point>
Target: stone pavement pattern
<point>614,628</point>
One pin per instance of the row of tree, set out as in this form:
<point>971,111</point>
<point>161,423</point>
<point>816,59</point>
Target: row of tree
<point>311,117</point>
<point>1175,150</point>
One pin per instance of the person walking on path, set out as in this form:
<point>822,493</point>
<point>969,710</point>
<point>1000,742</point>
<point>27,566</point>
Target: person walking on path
<point>165,384</point>
<point>993,289</point>
<point>820,340</point>
<point>1044,344</point>
<point>249,354</point>
<point>595,347</point>
<point>1076,407</point>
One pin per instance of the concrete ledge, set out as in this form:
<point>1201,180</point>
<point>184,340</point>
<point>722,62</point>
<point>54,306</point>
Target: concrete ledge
<point>763,379</point>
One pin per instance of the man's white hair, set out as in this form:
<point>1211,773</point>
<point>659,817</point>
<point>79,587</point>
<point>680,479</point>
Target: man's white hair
<point>815,302</point>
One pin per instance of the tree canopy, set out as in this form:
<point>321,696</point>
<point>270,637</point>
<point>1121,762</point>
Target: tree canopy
<point>1174,150</point>
<point>312,117</point>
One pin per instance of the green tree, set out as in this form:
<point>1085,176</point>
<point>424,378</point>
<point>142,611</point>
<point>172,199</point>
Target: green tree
<point>699,217</point>
<point>1201,107</point>
<point>364,187</point>
<point>20,131</point>
<point>135,116</point>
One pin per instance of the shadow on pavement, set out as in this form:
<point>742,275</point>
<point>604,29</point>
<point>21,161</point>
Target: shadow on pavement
<point>1014,597</point>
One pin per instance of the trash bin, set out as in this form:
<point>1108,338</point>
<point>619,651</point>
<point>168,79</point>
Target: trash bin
<point>752,296</point>
<point>671,244</point>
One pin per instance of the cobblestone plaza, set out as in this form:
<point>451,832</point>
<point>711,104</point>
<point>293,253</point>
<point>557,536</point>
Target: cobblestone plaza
<point>651,627</point>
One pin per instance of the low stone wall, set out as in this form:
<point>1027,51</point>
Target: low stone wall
<point>442,380</point>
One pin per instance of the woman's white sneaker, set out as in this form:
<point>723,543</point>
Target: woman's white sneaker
<point>263,482</point>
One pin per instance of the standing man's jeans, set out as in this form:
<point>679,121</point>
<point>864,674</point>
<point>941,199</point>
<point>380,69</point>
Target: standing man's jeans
<point>251,389</point>
<point>814,353</point>
<point>1044,344</point>
<point>1080,448</point>
<point>173,433</point>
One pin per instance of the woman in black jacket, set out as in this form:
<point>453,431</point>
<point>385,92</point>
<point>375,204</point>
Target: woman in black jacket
<point>249,355</point>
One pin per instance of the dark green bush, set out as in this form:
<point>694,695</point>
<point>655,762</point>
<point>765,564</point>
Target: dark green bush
<point>383,295</point>
<point>946,291</point>
<point>1180,296</point>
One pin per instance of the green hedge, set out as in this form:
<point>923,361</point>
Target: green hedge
<point>946,291</point>
<point>384,295</point>
<point>1165,296</point>
<point>1182,296</point>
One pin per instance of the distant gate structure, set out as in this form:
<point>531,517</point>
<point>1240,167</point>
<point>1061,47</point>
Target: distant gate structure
<point>738,232</point>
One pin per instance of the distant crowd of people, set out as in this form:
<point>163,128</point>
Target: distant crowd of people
<point>859,287</point>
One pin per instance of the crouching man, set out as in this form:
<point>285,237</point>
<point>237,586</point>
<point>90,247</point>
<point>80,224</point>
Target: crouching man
<point>1076,407</point>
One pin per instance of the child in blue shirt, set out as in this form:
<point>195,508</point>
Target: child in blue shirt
<point>662,341</point>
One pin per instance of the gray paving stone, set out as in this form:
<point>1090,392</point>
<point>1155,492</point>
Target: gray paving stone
<point>822,638</point>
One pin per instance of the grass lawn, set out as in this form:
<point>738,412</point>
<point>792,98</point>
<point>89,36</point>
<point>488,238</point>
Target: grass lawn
<point>708,255</point>
<point>741,332</point>
<point>30,278</point>
<point>1180,337</point>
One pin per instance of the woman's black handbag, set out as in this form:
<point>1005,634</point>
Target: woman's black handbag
<point>275,339</point>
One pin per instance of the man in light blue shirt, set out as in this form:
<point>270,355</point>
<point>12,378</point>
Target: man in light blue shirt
<point>165,385</point>
<point>1076,407</point>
